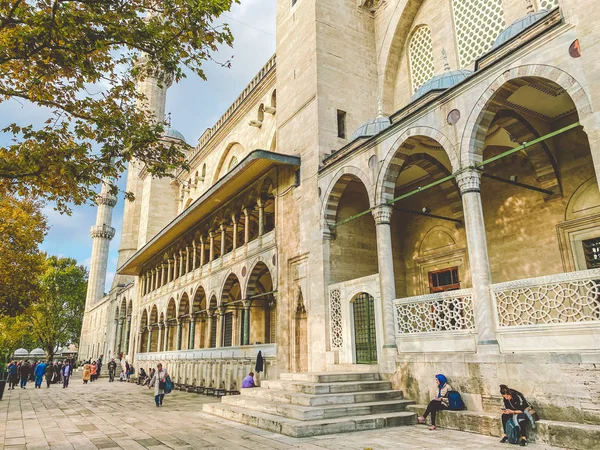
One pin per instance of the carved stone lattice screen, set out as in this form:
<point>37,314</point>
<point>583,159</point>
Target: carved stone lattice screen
<point>548,4</point>
<point>445,311</point>
<point>558,299</point>
<point>478,23</point>
<point>335,306</point>
<point>420,51</point>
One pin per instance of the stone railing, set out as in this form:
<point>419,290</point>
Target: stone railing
<point>572,297</point>
<point>444,311</point>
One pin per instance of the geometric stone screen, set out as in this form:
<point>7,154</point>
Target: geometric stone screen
<point>420,52</point>
<point>478,23</point>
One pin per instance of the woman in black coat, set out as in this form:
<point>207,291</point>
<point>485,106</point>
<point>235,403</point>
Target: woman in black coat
<point>514,403</point>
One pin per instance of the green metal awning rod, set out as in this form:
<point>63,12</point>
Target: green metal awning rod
<point>450,177</point>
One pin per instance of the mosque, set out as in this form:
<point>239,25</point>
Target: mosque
<point>409,187</point>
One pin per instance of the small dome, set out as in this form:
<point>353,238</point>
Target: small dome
<point>441,82</point>
<point>21,353</point>
<point>372,127</point>
<point>37,352</point>
<point>172,133</point>
<point>517,26</point>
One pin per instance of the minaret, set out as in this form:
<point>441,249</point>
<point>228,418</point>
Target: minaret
<point>102,233</point>
<point>154,89</point>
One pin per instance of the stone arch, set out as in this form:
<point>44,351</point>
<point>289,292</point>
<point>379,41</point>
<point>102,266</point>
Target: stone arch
<point>495,95</point>
<point>336,189</point>
<point>171,311</point>
<point>225,157</point>
<point>144,319</point>
<point>274,99</point>
<point>393,45</point>
<point>584,201</point>
<point>199,300</point>
<point>394,160</point>
<point>437,239</point>
<point>123,308</point>
<point>129,308</point>
<point>184,305</point>
<point>259,269</point>
<point>153,315</point>
<point>230,280</point>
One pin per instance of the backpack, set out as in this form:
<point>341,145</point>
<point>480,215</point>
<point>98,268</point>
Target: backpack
<point>455,402</point>
<point>513,430</point>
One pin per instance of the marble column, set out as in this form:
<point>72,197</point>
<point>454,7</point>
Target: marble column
<point>246,323</point>
<point>201,251</point>
<point>169,272</point>
<point>469,183</point>
<point>159,344</point>
<point>162,274</point>
<point>180,273</point>
<point>187,259</point>
<point>223,239</point>
<point>179,326</point>
<point>192,334</point>
<point>194,255</point>
<point>127,332</point>
<point>246,225</point>
<point>175,265</point>
<point>234,221</point>
<point>211,246</point>
<point>387,284</point>
<point>149,340</point>
<point>120,334</point>
<point>220,327</point>
<point>166,336</point>
<point>261,217</point>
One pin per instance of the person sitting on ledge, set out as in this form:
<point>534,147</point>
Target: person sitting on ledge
<point>514,403</point>
<point>248,382</point>
<point>439,403</point>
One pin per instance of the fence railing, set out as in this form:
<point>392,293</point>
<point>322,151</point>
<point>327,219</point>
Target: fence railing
<point>571,297</point>
<point>443,311</point>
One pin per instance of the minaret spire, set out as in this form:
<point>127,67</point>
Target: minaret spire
<point>102,233</point>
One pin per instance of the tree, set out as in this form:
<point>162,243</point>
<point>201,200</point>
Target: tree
<point>80,61</point>
<point>56,316</point>
<point>14,333</point>
<point>22,227</point>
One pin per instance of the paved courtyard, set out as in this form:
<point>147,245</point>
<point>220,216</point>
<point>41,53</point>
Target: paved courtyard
<point>121,415</point>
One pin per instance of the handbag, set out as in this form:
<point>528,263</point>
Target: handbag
<point>168,385</point>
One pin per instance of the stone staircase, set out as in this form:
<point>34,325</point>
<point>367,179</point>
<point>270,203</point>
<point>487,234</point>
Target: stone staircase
<point>311,404</point>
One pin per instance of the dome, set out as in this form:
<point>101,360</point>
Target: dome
<point>372,127</point>
<point>442,82</point>
<point>517,26</point>
<point>37,353</point>
<point>21,353</point>
<point>172,133</point>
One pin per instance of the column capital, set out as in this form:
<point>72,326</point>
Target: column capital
<point>469,180</point>
<point>382,214</point>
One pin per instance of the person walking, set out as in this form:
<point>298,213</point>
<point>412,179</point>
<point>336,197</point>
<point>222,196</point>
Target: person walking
<point>112,370</point>
<point>40,370</point>
<point>439,403</point>
<point>159,381</point>
<point>50,374</point>
<point>24,374</point>
<point>93,370</point>
<point>86,373</point>
<point>59,371</point>
<point>99,365</point>
<point>12,375</point>
<point>66,374</point>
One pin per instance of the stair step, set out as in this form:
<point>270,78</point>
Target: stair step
<point>560,434</point>
<point>327,387</point>
<point>298,428</point>
<point>330,377</point>
<point>305,413</point>
<point>297,398</point>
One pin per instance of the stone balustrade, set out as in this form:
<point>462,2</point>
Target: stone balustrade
<point>443,311</point>
<point>564,298</point>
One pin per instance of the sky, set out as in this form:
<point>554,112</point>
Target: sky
<point>194,105</point>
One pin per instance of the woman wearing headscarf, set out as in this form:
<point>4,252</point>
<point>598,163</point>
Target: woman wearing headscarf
<point>159,380</point>
<point>515,404</point>
<point>439,403</point>
<point>86,373</point>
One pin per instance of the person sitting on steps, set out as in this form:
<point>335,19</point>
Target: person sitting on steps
<point>514,403</point>
<point>439,403</point>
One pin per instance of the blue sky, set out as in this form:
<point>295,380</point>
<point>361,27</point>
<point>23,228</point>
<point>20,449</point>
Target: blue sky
<point>194,106</point>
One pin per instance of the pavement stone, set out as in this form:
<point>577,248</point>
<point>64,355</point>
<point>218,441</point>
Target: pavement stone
<point>103,415</point>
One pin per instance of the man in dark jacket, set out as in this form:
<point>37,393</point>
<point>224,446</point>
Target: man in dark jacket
<point>24,374</point>
<point>12,375</point>
<point>112,369</point>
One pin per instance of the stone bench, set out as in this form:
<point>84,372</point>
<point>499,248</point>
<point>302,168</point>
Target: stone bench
<point>560,434</point>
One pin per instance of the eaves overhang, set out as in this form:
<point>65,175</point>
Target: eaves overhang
<point>253,166</point>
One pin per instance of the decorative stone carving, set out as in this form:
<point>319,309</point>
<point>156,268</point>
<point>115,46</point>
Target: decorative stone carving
<point>370,5</point>
<point>382,214</point>
<point>445,311</point>
<point>102,231</point>
<point>335,306</point>
<point>108,200</point>
<point>469,180</point>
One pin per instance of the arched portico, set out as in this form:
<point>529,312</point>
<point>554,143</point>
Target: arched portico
<point>259,314</point>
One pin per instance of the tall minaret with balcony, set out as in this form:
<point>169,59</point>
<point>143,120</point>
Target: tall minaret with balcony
<point>102,233</point>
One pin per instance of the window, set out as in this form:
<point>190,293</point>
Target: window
<point>591,249</point>
<point>341,124</point>
<point>444,280</point>
<point>228,330</point>
<point>478,23</point>
<point>213,331</point>
<point>420,55</point>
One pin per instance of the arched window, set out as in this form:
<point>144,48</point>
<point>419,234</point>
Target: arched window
<point>274,99</point>
<point>420,54</point>
<point>477,23</point>
<point>261,113</point>
<point>203,171</point>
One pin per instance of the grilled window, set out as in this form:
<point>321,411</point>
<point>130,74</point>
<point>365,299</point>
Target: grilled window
<point>591,249</point>
<point>444,280</point>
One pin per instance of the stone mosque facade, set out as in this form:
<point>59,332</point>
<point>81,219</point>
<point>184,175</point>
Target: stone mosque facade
<point>408,187</point>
